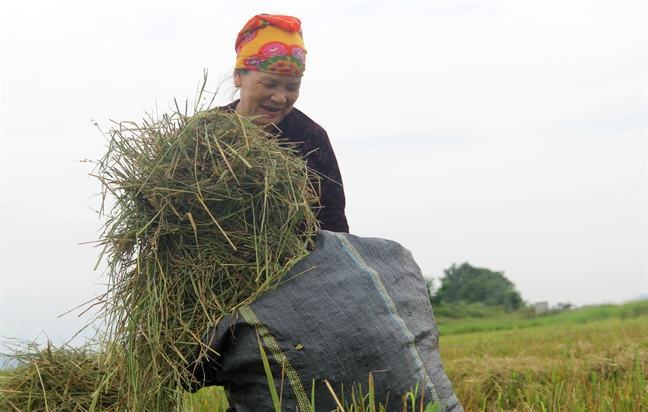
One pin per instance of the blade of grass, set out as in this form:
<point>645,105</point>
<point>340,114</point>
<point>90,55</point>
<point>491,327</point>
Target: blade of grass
<point>268,373</point>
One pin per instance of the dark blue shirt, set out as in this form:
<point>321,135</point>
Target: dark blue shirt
<point>313,144</point>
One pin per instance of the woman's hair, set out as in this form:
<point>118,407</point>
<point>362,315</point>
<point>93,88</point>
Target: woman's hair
<point>240,72</point>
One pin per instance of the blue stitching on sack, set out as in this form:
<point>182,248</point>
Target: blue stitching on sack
<point>391,308</point>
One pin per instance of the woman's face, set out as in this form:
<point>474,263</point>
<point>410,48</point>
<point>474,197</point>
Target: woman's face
<point>266,95</point>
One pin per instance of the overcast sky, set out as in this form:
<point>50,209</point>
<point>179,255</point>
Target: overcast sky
<point>512,135</point>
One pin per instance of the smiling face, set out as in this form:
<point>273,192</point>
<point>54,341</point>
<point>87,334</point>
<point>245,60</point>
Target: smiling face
<point>266,95</point>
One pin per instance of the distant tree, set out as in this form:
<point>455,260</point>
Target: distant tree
<point>465,283</point>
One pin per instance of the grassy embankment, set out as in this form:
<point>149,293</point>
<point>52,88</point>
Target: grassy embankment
<point>590,359</point>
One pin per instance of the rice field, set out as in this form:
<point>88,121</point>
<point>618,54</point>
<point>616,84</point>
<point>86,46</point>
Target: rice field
<point>600,365</point>
<point>592,359</point>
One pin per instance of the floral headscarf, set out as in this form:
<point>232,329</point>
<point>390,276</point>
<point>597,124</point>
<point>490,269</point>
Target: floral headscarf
<point>271,44</point>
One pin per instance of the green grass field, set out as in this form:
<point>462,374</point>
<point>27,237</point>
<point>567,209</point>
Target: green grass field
<point>590,359</point>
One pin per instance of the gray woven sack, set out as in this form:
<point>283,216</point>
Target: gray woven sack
<point>353,307</point>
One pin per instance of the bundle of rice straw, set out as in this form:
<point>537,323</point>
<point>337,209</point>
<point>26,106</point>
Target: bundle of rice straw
<point>55,379</point>
<point>210,211</point>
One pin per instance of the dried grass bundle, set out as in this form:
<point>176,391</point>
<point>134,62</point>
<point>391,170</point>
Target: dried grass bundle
<point>63,379</point>
<point>210,211</point>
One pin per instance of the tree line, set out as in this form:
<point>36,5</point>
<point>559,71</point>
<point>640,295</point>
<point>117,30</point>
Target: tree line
<point>468,284</point>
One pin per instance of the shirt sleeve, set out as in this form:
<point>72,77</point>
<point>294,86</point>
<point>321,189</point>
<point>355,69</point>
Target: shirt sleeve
<point>322,160</point>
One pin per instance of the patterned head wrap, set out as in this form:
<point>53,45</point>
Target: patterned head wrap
<point>272,44</point>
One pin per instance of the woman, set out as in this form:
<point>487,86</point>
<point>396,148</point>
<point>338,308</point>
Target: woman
<point>269,65</point>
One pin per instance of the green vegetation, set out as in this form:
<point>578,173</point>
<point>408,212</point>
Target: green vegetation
<point>465,283</point>
<point>464,318</point>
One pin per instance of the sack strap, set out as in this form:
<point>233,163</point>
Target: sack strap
<point>271,343</point>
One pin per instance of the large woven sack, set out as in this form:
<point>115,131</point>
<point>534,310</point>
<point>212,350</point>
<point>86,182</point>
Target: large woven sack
<point>353,307</point>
